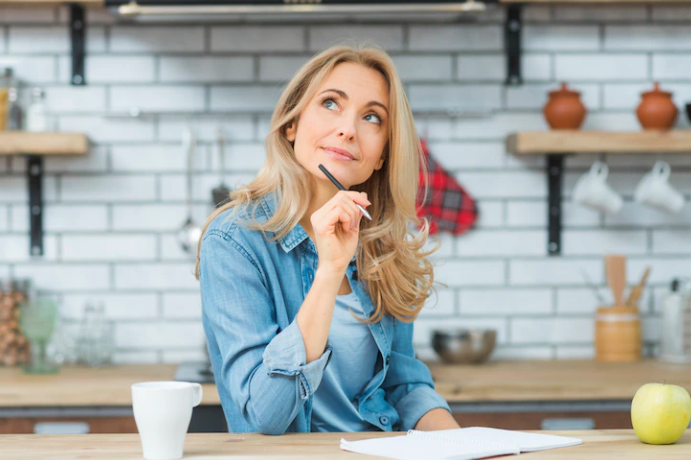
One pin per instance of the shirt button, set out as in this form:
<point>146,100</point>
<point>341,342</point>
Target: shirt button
<point>388,360</point>
<point>384,420</point>
<point>310,275</point>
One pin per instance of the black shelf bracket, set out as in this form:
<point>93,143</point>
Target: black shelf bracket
<point>77,37</point>
<point>555,173</point>
<point>512,44</point>
<point>35,180</point>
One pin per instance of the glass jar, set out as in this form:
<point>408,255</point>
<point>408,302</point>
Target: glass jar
<point>14,346</point>
<point>96,337</point>
<point>37,112</point>
<point>11,113</point>
<point>5,83</point>
<point>675,343</point>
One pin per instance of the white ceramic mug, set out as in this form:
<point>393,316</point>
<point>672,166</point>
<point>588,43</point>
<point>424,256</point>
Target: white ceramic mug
<point>656,191</point>
<point>162,411</point>
<point>592,190</point>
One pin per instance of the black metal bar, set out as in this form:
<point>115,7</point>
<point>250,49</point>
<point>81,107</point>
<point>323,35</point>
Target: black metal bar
<point>555,169</point>
<point>35,179</point>
<point>512,44</point>
<point>77,35</point>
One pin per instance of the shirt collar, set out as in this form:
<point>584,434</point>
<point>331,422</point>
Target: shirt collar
<point>297,234</point>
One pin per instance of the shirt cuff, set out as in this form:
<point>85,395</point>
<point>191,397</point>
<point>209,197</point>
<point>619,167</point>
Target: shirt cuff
<point>286,355</point>
<point>417,403</point>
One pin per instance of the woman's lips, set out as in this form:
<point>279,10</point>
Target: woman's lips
<point>337,156</point>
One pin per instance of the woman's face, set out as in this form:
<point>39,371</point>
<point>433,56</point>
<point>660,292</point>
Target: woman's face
<point>348,114</point>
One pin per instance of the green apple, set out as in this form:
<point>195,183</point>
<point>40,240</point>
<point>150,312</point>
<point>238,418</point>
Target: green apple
<point>660,413</point>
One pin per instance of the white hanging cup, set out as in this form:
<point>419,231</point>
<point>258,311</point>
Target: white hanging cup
<point>593,191</point>
<point>655,190</point>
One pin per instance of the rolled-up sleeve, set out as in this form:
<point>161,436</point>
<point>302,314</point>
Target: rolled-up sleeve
<point>408,384</point>
<point>263,368</point>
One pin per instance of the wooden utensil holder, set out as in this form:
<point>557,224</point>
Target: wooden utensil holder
<point>617,334</point>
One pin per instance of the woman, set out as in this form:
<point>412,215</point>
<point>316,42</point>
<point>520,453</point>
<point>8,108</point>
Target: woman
<point>308,308</point>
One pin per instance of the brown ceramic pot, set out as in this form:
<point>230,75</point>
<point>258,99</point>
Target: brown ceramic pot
<point>564,109</point>
<point>656,110</point>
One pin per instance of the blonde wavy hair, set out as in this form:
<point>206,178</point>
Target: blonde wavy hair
<point>390,256</point>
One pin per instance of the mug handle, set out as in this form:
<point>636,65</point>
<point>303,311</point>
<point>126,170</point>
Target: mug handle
<point>198,393</point>
<point>600,170</point>
<point>663,169</point>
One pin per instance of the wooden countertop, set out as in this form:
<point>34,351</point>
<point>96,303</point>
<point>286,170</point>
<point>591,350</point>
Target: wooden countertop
<point>84,386</point>
<point>597,445</point>
<point>557,380</point>
<point>568,380</point>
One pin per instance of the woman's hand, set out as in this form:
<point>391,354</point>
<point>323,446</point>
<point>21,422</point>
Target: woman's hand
<point>335,245</point>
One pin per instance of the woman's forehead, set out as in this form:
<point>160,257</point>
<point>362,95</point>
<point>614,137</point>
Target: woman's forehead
<point>357,82</point>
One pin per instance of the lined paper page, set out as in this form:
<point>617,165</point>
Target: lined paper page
<point>458,444</point>
<point>527,442</point>
<point>411,447</point>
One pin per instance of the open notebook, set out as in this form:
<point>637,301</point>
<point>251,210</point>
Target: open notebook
<point>458,444</point>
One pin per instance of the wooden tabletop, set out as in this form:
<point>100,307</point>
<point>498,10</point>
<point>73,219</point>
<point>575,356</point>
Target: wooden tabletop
<point>572,380</point>
<point>597,445</point>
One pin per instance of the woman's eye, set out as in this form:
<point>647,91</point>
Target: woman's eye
<point>376,117</point>
<point>328,100</point>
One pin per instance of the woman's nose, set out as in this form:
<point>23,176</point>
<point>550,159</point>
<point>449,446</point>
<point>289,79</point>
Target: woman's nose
<point>347,129</point>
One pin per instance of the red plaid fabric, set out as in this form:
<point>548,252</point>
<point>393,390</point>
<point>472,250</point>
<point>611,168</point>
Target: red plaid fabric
<point>448,206</point>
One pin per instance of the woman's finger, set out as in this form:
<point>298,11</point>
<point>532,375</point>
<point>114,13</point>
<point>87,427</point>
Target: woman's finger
<point>338,216</point>
<point>352,208</point>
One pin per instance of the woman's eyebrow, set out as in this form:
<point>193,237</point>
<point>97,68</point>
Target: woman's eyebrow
<point>345,96</point>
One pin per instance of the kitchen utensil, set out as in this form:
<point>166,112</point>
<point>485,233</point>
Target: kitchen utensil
<point>615,266</point>
<point>564,109</point>
<point>675,343</point>
<point>656,110</point>
<point>617,334</point>
<point>636,292</point>
<point>162,412</point>
<point>190,232</point>
<point>655,190</point>
<point>221,194</point>
<point>592,190</point>
<point>37,319</point>
<point>461,346</point>
<point>592,286</point>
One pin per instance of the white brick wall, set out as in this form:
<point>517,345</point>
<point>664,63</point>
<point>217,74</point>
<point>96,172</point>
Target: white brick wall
<point>156,39</point>
<point>598,67</point>
<point>38,69</point>
<point>111,218</point>
<point>451,38</point>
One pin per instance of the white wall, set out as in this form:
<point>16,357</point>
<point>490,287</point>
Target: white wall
<point>111,216</point>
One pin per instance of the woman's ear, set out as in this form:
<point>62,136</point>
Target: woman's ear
<point>384,154</point>
<point>290,132</point>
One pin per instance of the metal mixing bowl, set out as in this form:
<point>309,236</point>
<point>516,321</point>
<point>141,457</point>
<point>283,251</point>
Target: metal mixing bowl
<point>463,346</point>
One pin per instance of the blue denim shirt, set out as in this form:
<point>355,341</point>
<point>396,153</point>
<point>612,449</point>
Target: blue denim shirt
<point>252,289</point>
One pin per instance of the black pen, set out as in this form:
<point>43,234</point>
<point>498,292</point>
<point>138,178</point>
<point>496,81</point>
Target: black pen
<point>340,187</point>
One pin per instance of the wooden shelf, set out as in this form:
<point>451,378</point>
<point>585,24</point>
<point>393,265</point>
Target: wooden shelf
<point>49,2</point>
<point>25,143</point>
<point>618,2</point>
<point>576,141</point>
<point>558,143</point>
